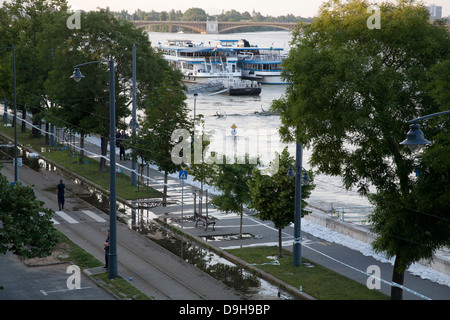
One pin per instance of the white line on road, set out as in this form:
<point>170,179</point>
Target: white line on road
<point>45,293</point>
<point>93,216</point>
<point>66,217</point>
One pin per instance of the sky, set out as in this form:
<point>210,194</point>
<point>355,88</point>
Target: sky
<point>303,8</point>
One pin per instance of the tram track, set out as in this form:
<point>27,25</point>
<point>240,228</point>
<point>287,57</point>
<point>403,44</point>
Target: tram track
<point>156,270</point>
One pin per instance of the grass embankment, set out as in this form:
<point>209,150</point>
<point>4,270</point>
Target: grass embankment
<point>317,281</point>
<point>89,169</point>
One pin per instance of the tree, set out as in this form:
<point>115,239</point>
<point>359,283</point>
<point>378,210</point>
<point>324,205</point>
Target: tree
<point>22,23</point>
<point>198,166</point>
<point>194,14</point>
<point>165,113</point>
<point>273,197</point>
<point>231,179</point>
<point>84,106</point>
<point>353,90</point>
<point>26,228</point>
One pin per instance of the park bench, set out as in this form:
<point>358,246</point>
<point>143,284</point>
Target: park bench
<point>206,222</point>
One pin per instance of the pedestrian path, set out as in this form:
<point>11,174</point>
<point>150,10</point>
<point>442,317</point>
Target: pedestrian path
<point>76,217</point>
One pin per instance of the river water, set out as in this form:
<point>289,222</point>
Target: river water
<point>257,134</point>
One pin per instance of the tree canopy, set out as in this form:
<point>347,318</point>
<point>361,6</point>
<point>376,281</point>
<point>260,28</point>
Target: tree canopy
<point>231,179</point>
<point>26,228</point>
<point>273,197</point>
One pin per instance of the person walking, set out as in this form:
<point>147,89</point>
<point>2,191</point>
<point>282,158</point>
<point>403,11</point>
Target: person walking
<point>123,137</point>
<point>60,192</point>
<point>106,244</point>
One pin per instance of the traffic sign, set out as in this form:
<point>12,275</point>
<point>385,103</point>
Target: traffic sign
<point>233,132</point>
<point>182,175</point>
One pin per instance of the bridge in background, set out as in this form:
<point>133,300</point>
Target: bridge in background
<point>215,27</point>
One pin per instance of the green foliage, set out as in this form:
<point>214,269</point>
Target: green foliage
<point>440,83</point>
<point>418,224</point>
<point>26,228</point>
<point>353,90</point>
<point>22,25</point>
<point>194,14</point>
<point>163,115</point>
<point>273,197</point>
<point>231,179</point>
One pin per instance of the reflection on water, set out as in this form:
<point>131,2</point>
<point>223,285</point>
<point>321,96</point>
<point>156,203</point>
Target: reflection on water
<point>209,262</point>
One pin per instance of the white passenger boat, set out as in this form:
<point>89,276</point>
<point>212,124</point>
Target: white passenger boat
<point>224,59</point>
<point>199,62</point>
<point>261,64</point>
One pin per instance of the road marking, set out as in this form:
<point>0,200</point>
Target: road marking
<point>93,216</point>
<point>53,220</point>
<point>45,293</point>
<point>66,217</point>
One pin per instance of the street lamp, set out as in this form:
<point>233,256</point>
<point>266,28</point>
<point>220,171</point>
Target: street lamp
<point>415,140</point>
<point>16,166</point>
<point>297,248</point>
<point>77,76</point>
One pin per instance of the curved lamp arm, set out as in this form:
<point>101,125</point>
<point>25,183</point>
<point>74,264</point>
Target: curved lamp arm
<point>415,139</point>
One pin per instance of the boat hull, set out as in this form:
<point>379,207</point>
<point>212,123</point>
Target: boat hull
<point>252,91</point>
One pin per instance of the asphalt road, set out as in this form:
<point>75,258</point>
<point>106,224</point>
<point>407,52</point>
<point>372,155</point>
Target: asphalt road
<point>49,282</point>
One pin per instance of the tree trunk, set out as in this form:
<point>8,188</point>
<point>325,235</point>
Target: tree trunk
<point>280,249</point>
<point>81,148</point>
<point>104,150</point>
<point>36,133</point>
<point>240,227</point>
<point>165,189</point>
<point>24,117</point>
<point>398,277</point>
<point>47,130</point>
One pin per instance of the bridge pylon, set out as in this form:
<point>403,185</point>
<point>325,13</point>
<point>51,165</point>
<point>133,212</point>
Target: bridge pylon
<point>212,27</point>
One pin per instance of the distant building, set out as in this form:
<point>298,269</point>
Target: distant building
<point>435,11</point>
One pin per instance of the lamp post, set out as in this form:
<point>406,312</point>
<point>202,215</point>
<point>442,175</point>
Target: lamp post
<point>297,249</point>
<point>415,139</point>
<point>77,76</point>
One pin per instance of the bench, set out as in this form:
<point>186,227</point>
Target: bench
<point>206,222</point>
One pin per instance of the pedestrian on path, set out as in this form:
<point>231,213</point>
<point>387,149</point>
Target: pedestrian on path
<point>60,192</point>
<point>122,137</point>
<point>106,244</point>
